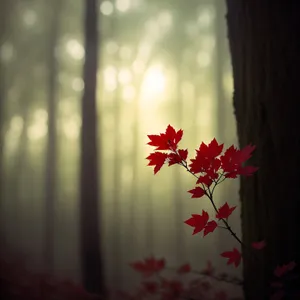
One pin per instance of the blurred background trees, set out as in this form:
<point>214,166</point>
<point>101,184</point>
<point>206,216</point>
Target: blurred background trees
<point>160,62</point>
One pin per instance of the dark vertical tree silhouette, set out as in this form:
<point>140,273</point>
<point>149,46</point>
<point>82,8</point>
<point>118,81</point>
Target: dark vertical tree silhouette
<point>264,42</point>
<point>89,183</point>
<point>116,237</point>
<point>20,166</point>
<point>51,150</point>
<point>3,32</point>
<point>116,205</point>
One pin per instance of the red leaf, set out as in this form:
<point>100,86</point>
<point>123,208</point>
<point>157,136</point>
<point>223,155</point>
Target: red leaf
<point>245,153</point>
<point>183,153</point>
<point>232,160</point>
<point>198,221</point>
<point>172,289</point>
<point>157,159</point>
<point>225,211</point>
<point>197,192</point>
<point>210,227</point>
<point>176,158</point>
<point>258,245</point>
<point>166,141</point>
<point>149,266</point>
<point>234,257</point>
<point>281,270</point>
<point>186,268</point>
<point>205,160</point>
<point>212,150</point>
<point>247,171</point>
<point>205,180</point>
<point>199,163</point>
<point>150,287</point>
<point>221,295</point>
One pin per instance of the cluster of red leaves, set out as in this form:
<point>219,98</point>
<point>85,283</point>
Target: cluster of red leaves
<point>161,288</point>
<point>283,279</point>
<point>200,222</point>
<point>208,160</point>
<point>18,283</point>
<point>210,166</point>
<point>149,266</point>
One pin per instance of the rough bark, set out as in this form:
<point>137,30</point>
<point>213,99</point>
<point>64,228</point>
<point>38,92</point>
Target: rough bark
<point>264,39</point>
<point>51,151</point>
<point>89,183</point>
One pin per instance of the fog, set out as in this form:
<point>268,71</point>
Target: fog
<point>160,62</point>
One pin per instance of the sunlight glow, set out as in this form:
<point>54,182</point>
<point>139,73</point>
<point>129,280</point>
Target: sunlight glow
<point>110,78</point>
<point>112,47</point>
<point>125,53</point>
<point>124,76</point>
<point>77,84</point>
<point>108,122</point>
<point>144,50</point>
<point>127,174</point>
<point>153,29</point>
<point>123,5</point>
<point>165,20</point>
<point>203,59</point>
<point>208,42</point>
<point>29,17</point>
<point>205,17</point>
<point>228,84</point>
<point>38,129</point>
<point>75,49</point>
<point>65,106</point>
<point>6,52</point>
<point>128,93</point>
<point>13,134</point>
<point>191,29</point>
<point>154,82</point>
<point>138,66</point>
<point>71,127</point>
<point>204,121</point>
<point>16,125</point>
<point>106,8</point>
<point>188,90</point>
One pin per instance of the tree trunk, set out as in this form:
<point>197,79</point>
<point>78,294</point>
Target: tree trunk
<point>4,20</point>
<point>51,154</point>
<point>264,42</point>
<point>117,169</point>
<point>89,183</point>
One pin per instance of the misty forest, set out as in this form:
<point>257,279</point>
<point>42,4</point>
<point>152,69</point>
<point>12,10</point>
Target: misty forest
<point>82,85</point>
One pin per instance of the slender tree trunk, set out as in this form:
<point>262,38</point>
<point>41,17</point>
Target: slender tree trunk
<point>264,41</point>
<point>51,150</point>
<point>116,237</point>
<point>18,174</point>
<point>3,24</point>
<point>117,167</point>
<point>89,183</point>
